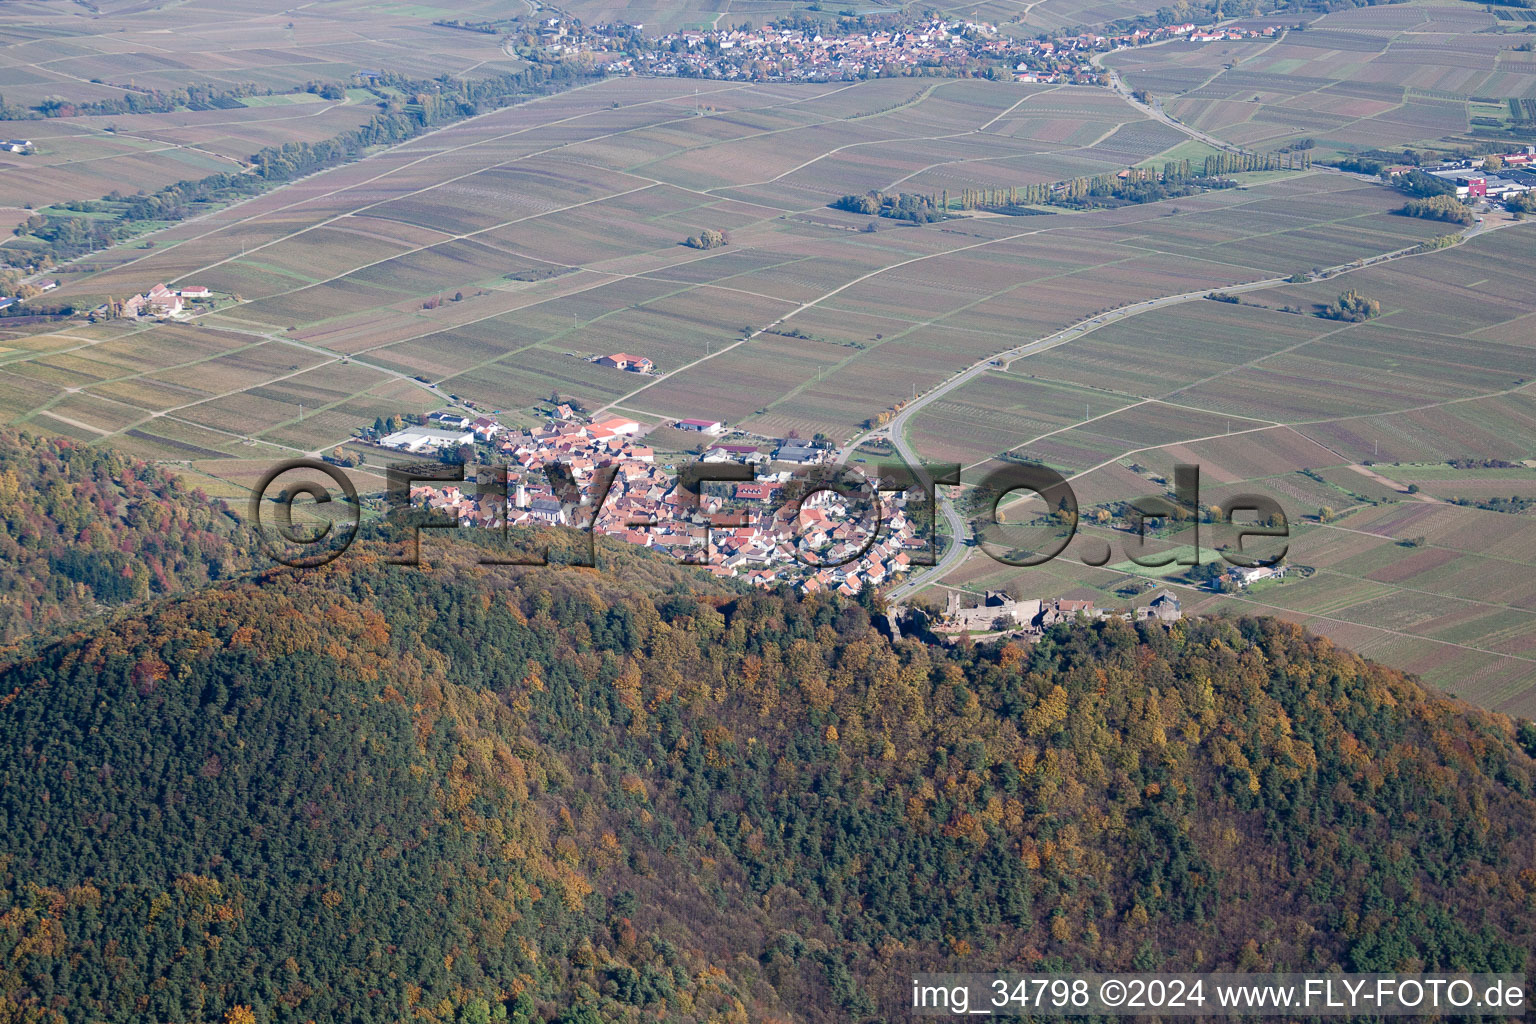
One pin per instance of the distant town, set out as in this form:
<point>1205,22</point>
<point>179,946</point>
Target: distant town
<point>819,54</point>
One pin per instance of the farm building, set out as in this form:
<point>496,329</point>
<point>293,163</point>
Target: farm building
<point>421,439</point>
<point>802,454</point>
<point>701,426</point>
<point>158,301</point>
<point>735,451</point>
<point>625,361</point>
<point>615,426</point>
<point>195,291</point>
<point>1247,576</point>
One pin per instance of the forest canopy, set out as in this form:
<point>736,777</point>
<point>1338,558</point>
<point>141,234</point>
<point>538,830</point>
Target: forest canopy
<point>89,528</point>
<point>371,791</point>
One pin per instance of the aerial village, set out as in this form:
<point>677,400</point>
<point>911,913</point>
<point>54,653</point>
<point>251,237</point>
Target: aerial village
<point>557,473</point>
<point>763,530</point>
<point>766,530</point>
<point>775,53</point>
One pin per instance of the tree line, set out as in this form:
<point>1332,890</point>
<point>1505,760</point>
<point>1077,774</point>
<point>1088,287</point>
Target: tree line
<point>1444,207</point>
<point>908,206</point>
<point>1175,179</point>
<point>154,101</point>
<point>61,233</point>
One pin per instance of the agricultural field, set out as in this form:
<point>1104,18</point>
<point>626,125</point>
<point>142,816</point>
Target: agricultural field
<point>552,237</point>
<point>1379,77</point>
<point>1412,584</point>
<point>92,53</point>
<point>77,54</point>
<point>497,258</point>
<point>187,395</point>
<point>1412,546</point>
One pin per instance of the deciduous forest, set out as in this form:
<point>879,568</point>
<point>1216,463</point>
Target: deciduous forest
<point>375,793</point>
<point>90,528</point>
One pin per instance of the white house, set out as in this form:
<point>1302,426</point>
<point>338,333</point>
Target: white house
<point>1248,576</point>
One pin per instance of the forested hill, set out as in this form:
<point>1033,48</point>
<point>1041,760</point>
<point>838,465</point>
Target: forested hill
<point>83,528</point>
<point>374,793</point>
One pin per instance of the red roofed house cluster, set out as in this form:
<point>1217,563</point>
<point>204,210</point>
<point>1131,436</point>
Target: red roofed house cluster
<point>745,529</point>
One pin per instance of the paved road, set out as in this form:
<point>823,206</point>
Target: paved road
<point>1155,111</point>
<point>895,430</point>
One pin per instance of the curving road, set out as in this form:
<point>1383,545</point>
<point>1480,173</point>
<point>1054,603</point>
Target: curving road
<point>894,431</point>
<point>1155,111</point>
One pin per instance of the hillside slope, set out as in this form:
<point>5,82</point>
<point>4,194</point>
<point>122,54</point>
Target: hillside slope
<point>83,529</point>
<point>377,793</point>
